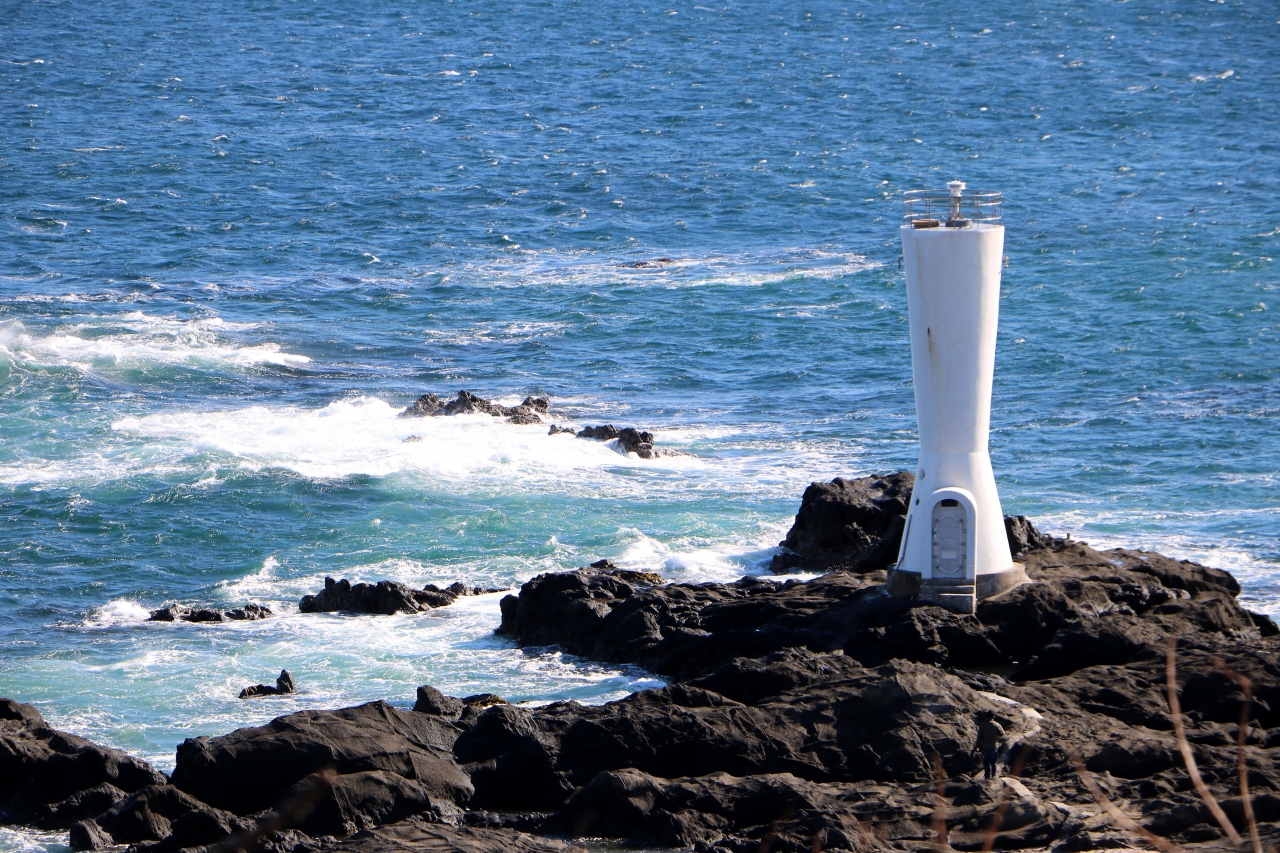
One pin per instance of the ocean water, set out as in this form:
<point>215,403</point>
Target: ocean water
<point>236,239</point>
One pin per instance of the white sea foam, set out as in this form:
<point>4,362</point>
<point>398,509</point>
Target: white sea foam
<point>364,436</point>
<point>15,839</point>
<point>691,559</point>
<point>118,611</point>
<point>138,340</point>
<point>747,268</point>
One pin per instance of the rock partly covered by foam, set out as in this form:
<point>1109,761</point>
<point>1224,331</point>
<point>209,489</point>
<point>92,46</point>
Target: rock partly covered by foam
<point>283,687</point>
<point>383,597</point>
<point>629,439</point>
<point>175,612</point>
<point>530,410</point>
<point>52,779</point>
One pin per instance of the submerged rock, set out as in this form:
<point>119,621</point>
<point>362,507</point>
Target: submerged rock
<point>284,686</point>
<point>383,597</point>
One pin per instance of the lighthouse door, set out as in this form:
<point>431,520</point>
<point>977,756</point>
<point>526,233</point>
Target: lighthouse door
<point>950,539</point>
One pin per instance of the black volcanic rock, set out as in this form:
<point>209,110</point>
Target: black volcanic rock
<point>284,686</point>
<point>252,769</point>
<point>383,597</point>
<point>432,701</point>
<point>630,440</point>
<point>854,525</point>
<point>1083,611</point>
<point>530,410</point>
<point>52,778</point>
<point>823,713</point>
<point>175,612</point>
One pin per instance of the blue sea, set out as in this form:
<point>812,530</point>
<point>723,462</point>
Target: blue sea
<point>236,239</point>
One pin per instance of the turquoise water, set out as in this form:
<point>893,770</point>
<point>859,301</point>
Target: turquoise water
<point>238,238</point>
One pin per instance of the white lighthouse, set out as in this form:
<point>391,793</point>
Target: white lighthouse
<point>954,548</point>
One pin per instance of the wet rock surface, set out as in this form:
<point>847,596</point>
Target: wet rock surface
<point>283,687</point>
<point>801,715</point>
<point>530,410</point>
<point>175,612</point>
<point>383,597</point>
<point>629,439</point>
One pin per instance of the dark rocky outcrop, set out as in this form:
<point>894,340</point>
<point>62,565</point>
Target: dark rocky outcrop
<point>630,440</point>
<point>856,526</point>
<point>283,687</point>
<point>530,410</point>
<point>253,769</point>
<point>801,715</point>
<point>852,525</point>
<point>383,597</point>
<point>53,779</point>
<point>175,612</point>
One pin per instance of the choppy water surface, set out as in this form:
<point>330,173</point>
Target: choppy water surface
<point>238,239</point>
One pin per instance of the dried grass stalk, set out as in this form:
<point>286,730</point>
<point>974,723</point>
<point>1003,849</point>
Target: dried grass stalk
<point>1188,758</point>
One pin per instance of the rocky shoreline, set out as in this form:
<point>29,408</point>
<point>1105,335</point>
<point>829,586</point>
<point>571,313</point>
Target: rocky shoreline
<point>801,715</point>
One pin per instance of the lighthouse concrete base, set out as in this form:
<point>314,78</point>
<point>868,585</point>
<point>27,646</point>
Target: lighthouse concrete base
<point>957,595</point>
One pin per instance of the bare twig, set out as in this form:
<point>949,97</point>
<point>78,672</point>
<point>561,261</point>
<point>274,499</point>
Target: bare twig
<point>997,817</point>
<point>1246,687</point>
<point>288,813</point>
<point>1188,758</point>
<point>1120,818</point>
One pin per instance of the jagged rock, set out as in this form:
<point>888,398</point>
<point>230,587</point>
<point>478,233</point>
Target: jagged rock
<point>854,525</point>
<point>604,432</point>
<point>529,411</point>
<point>1083,610</point>
<point>432,701</point>
<point>43,770</point>
<point>855,724</point>
<point>630,440</point>
<point>284,686</point>
<point>1023,535</point>
<point>169,613</point>
<point>484,700</point>
<point>248,613</point>
<point>21,712</point>
<point>252,769</point>
<point>557,430</point>
<point>427,404</point>
<point>175,612</point>
<point>383,597</point>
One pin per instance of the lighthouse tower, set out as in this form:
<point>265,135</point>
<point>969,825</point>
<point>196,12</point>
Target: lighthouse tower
<point>954,548</point>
